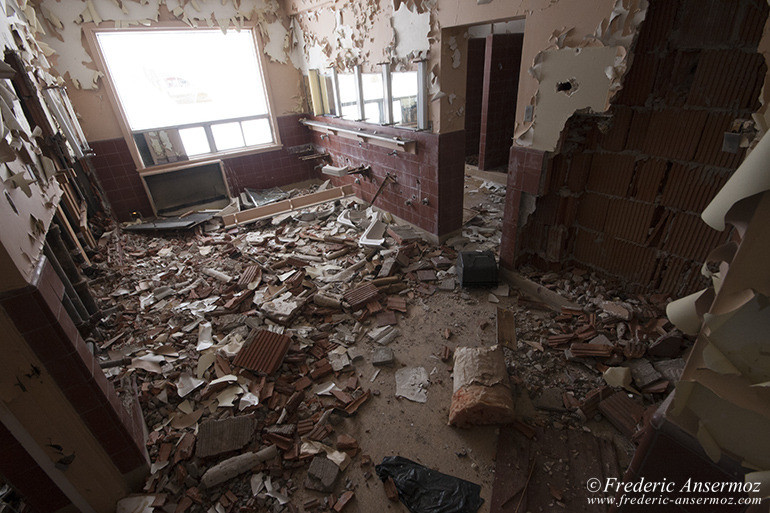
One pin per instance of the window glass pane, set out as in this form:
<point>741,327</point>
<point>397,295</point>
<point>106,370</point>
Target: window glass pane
<point>397,111</point>
<point>348,97</point>
<point>372,86</point>
<point>404,83</point>
<point>372,111</point>
<point>404,97</point>
<point>257,131</point>
<point>405,110</point>
<point>347,88</point>
<point>350,111</point>
<point>184,76</point>
<point>228,136</point>
<point>194,140</point>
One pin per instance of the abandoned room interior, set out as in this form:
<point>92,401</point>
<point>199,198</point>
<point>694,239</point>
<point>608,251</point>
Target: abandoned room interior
<point>437,256</point>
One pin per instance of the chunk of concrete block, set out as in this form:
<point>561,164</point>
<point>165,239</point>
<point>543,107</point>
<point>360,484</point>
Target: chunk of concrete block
<point>322,474</point>
<point>383,356</point>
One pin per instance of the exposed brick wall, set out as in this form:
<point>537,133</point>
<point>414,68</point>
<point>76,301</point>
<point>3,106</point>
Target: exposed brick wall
<point>40,318</point>
<point>120,180</point>
<point>474,89</point>
<point>435,172</point>
<point>502,60</point>
<point>624,196</point>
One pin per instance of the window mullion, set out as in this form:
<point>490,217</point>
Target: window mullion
<point>210,137</point>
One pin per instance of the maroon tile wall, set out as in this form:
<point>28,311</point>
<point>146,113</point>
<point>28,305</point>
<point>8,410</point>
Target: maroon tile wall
<point>474,89</point>
<point>502,59</point>
<point>39,316</point>
<point>435,173</point>
<point>626,199</point>
<point>117,172</point>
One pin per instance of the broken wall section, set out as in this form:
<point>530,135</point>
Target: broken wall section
<point>625,191</point>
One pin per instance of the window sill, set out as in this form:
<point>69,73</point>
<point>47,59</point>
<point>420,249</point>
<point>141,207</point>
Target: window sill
<point>205,159</point>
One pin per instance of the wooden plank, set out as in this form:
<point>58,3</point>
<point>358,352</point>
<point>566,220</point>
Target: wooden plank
<point>511,469</point>
<point>506,328</point>
<point>71,232</point>
<point>536,291</point>
<point>289,205</point>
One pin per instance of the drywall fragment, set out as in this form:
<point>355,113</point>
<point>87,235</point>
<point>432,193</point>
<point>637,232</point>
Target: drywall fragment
<point>749,179</point>
<point>412,383</point>
<point>687,313</point>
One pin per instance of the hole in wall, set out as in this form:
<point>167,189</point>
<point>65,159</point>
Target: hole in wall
<point>10,202</point>
<point>568,87</point>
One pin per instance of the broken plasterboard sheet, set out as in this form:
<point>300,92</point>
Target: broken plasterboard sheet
<point>584,70</point>
<point>412,383</point>
<point>749,179</point>
<point>410,30</point>
<point>687,313</point>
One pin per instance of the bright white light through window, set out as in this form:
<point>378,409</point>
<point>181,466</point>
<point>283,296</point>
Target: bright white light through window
<point>257,131</point>
<point>180,77</point>
<point>348,97</point>
<point>194,140</point>
<point>228,136</point>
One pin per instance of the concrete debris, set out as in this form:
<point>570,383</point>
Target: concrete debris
<point>195,315</point>
<point>383,356</point>
<point>322,474</point>
<point>482,393</point>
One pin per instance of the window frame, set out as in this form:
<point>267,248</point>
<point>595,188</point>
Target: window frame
<point>385,103</point>
<point>91,30</point>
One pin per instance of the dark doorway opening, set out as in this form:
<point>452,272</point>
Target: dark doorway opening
<point>491,90</point>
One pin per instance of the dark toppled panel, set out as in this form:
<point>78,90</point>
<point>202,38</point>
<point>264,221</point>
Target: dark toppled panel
<point>264,353</point>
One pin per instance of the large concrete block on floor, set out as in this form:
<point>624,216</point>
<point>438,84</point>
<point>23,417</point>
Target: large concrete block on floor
<point>482,392</point>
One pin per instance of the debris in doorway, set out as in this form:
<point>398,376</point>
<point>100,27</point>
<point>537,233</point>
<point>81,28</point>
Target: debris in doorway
<point>424,490</point>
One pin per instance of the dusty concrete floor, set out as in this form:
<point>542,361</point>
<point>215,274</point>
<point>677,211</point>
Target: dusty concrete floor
<point>389,426</point>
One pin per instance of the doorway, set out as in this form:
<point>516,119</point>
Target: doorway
<point>494,61</point>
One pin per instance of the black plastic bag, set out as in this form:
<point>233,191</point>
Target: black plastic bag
<point>423,490</point>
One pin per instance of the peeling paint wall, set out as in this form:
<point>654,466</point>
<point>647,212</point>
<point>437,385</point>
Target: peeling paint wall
<point>398,31</point>
<point>60,30</point>
<point>29,193</point>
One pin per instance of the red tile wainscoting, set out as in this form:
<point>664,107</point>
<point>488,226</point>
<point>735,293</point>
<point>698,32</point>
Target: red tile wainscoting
<point>435,174</point>
<point>120,180</point>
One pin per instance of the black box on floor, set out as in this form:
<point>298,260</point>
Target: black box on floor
<point>477,269</point>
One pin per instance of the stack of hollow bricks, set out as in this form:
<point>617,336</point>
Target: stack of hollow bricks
<point>118,175</point>
<point>429,188</point>
<point>624,196</point>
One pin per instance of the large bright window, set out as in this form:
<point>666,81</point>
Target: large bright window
<point>188,92</point>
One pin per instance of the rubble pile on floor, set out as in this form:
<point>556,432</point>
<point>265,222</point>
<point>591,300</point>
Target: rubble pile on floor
<point>240,343</point>
<point>625,353</point>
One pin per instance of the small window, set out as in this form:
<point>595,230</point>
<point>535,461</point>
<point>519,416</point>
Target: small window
<point>193,91</point>
<point>348,96</point>
<point>373,97</point>
<point>405,97</point>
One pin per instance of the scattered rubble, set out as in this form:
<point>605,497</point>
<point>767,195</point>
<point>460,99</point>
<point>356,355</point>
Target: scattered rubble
<point>246,340</point>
